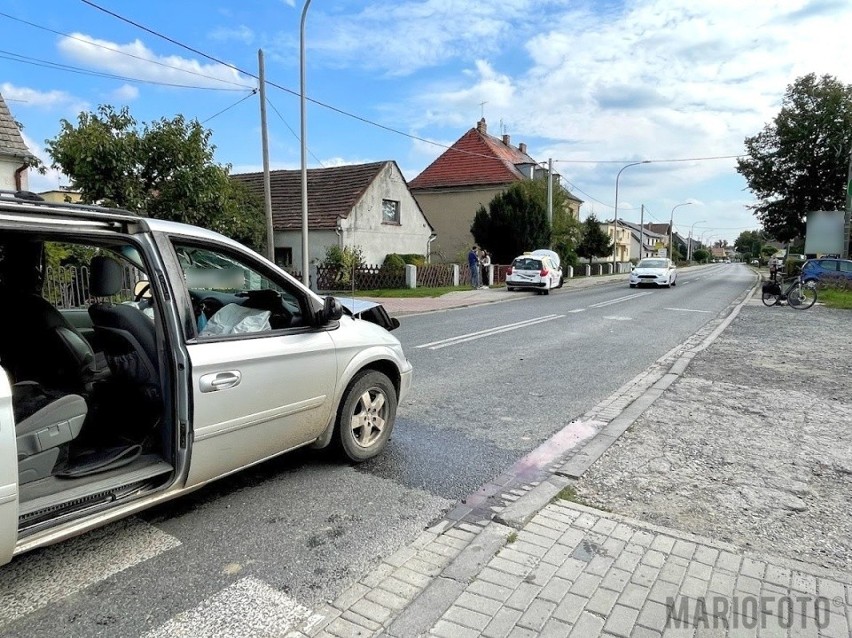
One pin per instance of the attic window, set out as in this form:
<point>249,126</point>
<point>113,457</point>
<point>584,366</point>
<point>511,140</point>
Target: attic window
<point>390,211</point>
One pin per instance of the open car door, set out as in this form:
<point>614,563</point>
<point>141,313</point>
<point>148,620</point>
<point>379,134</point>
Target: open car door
<point>8,473</point>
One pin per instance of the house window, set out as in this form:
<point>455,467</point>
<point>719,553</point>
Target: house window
<point>390,211</point>
<point>283,257</point>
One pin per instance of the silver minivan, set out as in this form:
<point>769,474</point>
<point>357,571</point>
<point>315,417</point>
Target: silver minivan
<point>143,359</point>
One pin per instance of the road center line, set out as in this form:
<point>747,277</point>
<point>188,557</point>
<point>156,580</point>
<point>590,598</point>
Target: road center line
<point>451,341</point>
<point>619,299</point>
<point>688,310</point>
<point>577,310</point>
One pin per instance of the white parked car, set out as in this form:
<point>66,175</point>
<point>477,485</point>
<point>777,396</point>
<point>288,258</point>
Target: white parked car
<point>534,272</point>
<point>655,271</point>
<point>165,357</point>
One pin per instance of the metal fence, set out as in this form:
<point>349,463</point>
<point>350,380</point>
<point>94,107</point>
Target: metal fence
<point>68,286</point>
<point>365,277</point>
<point>435,276</point>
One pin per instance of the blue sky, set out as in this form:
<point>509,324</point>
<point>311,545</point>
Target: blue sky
<point>593,85</point>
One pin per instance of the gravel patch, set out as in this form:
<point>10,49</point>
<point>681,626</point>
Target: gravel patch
<point>752,445</point>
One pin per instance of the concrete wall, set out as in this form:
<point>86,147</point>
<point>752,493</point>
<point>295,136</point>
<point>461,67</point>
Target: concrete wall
<point>8,166</point>
<point>451,212</point>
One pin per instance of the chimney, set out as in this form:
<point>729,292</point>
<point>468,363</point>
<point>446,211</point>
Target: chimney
<point>481,126</point>
<point>522,147</point>
<point>506,139</point>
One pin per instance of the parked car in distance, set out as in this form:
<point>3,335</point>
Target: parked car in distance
<point>657,271</point>
<point>170,357</point>
<point>826,270</point>
<point>534,272</point>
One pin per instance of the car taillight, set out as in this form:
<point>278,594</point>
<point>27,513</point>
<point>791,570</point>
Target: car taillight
<point>543,272</point>
<point>509,271</point>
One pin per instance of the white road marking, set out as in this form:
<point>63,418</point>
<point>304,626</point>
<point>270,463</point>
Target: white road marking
<point>35,581</point>
<point>617,318</point>
<point>688,310</point>
<point>248,608</point>
<point>619,299</point>
<point>451,341</point>
<point>577,310</point>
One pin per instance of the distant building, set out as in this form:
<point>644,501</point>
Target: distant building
<point>359,205</point>
<point>475,169</point>
<point>61,196</point>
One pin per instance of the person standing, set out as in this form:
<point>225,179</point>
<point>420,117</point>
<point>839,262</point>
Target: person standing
<point>473,262</point>
<point>485,262</point>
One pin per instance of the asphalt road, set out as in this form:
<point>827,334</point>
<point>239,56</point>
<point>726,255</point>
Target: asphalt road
<point>491,383</point>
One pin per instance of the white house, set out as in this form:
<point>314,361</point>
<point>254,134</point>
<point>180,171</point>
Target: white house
<point>14,153</point>
<point>367,206</point>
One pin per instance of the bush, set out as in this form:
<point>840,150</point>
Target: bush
<point>393,263</point>
<point>414,259</point>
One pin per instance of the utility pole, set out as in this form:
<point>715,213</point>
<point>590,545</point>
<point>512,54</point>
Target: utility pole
<point>267,193</point>
<point>641,232</point>
<point>304,144</point>
<point>847,225</point>
<point>550,193</point>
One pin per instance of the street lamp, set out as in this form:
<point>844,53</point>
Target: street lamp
<point>689,241</point>
<point>615,216</point>
<point>671,228</point>
<point>305,273</point>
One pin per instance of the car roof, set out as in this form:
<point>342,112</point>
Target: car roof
<point>22,203</point>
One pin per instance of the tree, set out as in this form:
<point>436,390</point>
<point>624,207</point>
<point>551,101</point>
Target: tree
<point>166,170</point>
<point>701,255</point>
<point>799,161</point>
<point>594,242</point>
<point>750,241</point>
<point>514,222</point>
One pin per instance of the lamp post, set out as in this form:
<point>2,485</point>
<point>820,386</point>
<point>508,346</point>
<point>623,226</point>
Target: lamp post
<point>689,241</point>
<point>305,273</point>
<point>671,228</point>
<point>615,215</point>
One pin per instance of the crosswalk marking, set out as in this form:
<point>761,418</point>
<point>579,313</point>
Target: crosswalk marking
<point>248,608</point>
<point>35,581</point>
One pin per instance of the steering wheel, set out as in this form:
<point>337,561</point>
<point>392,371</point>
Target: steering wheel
<point>141,294</point>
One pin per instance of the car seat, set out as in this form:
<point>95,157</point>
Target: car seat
<point>45,421</point>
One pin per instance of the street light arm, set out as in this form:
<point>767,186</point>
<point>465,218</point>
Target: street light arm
<point>615,214</point>
<point>671,227</point>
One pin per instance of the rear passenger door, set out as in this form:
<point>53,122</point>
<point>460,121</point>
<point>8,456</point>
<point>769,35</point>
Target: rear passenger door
<point>8,473</point>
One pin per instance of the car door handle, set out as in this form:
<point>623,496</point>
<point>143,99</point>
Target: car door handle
<point>219,381</point>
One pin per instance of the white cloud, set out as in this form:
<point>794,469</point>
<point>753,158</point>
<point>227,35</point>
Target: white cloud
<point>52,179</point>
<point>27,97</point>
<point>125,93</point>
<point>241,33</point>
<point>138,61</point>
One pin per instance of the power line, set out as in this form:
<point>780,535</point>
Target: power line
<point>119,51</point>
<point>47,64</point>
<point>281,117</point>
<point>353,116</point>
<point>227,108</point>
<point>651,161</point>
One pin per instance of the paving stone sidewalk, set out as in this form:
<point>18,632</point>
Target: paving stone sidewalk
<point>544,565</point>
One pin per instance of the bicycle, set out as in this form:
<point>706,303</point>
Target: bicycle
<point>799,295</point>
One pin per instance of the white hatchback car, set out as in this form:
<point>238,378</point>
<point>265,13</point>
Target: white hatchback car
<point>535,272</point>
<point>655,271</point>
<point>142,359</point>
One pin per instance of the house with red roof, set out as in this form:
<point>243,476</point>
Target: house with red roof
<point>466,176</point>
<point>367,206</point>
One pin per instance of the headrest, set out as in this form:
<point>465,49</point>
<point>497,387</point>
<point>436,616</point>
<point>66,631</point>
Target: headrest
<point>105,277</point>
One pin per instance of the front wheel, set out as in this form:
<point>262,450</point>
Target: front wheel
<point>802,297</point>
<point>366,415</point>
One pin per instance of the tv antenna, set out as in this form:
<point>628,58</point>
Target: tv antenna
<point>482,108</point>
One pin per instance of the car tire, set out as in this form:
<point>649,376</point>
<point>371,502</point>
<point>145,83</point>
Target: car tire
<point>674,283</point>
<point>632,285</point>
<point>509,289</point>
<point>366,415</point>
<point>546,291</point>
<point>561,282</point>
